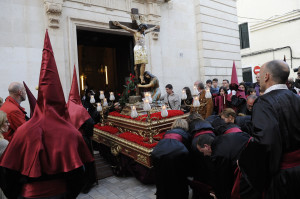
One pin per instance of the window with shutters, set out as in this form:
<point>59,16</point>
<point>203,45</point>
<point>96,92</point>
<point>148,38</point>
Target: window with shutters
<point>244,35</point>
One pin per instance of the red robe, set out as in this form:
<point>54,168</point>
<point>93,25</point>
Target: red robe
<point>15,115</point>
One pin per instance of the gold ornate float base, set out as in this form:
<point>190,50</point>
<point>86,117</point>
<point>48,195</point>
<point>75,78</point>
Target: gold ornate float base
<point>118,145</point>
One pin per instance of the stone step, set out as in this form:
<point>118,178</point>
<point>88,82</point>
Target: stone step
<point>103,167</point>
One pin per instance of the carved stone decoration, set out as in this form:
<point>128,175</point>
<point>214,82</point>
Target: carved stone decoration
<point>53,11</point>
<point>155,35</point>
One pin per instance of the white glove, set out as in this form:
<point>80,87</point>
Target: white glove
<point>233,92</point>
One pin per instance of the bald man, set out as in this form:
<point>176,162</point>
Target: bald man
<point>271,161</point>
<point>16,114</point>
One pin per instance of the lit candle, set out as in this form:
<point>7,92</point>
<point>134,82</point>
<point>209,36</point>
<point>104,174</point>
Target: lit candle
<point>196,102</point>
<point>147,106</point>
<point>164,111</point>
<point>134,113</point>
<point>184,96</point>
<point>82,82</point>
<point>99,107</point>
<point>105,102</point>
<point>207,93</point>
<point>92,100</point>
<point>102,95</point>
<point>106,78</point>
<point>111,96</point>
<point>195,91</point>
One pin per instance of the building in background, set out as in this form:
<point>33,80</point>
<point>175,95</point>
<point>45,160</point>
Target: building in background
<point>198,39</point>
<point>268,30</point>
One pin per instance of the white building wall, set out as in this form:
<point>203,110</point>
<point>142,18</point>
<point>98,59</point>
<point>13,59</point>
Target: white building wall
<point>217,38</point>
<point>270,29</point>
<point>198,39</point>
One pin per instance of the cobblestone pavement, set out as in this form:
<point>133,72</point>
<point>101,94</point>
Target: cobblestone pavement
<point>120,188</point>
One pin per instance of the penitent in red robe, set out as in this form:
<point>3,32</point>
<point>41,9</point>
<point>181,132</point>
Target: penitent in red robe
<point>15,115</point>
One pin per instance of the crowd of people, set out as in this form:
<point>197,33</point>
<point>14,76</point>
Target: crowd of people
<point>242,142</point>
<point>248,146</point>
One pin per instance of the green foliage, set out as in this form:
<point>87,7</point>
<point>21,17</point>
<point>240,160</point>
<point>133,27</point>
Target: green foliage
<point>129,90</point>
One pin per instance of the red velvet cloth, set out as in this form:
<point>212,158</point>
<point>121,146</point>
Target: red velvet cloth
<point>109,129</point>
<point>233,130</point>
<point>155,116</point>
<point>137,139</point>
<point>290,160</point>
<point>44,189</point>
<point>47,143</point>
<point>31,99</point>
<point>78,114</point>
<point>203,132</point>
<point>173,136</point>
<point>15,115</point>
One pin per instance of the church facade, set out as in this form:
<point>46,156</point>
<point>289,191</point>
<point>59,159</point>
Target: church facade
<point>198,40</point>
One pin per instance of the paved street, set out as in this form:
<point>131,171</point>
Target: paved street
<point>120,188</point>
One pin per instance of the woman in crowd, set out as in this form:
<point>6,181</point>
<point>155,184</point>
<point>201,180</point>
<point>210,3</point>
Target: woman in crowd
<point>188,101</point>
<point>170,160</point>
<point>220,101</point>
<point>4,124</point>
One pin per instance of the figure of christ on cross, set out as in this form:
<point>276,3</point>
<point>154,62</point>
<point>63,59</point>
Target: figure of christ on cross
<point>140,50</point>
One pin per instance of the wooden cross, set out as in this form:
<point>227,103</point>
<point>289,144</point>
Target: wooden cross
<point>135,23</point>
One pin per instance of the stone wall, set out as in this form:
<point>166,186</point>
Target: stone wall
<point>198,38</point>
<point>217,38</point>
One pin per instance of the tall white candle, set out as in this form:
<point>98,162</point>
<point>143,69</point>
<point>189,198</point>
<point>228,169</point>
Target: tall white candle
<point>111,96</point>
<point>105,102</point>
<point>92,100</point>
<point>102,95</point>
<point>106,77</point>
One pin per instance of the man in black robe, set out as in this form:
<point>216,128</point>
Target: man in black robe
<point>200,164</point>
<point>271,163</point>
<point>224,151</point>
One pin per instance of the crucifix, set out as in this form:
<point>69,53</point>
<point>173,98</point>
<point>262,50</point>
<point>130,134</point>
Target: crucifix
<point>138,29</point>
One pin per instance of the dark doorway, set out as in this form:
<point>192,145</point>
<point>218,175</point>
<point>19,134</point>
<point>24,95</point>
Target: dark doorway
<point>98,51</point>
<point>247,74</point>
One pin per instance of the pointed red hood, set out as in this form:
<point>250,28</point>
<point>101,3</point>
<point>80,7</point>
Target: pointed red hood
<point>31,99</point>
<point>47,143</point>
<point>234,78</point>
<point>78,114</point>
